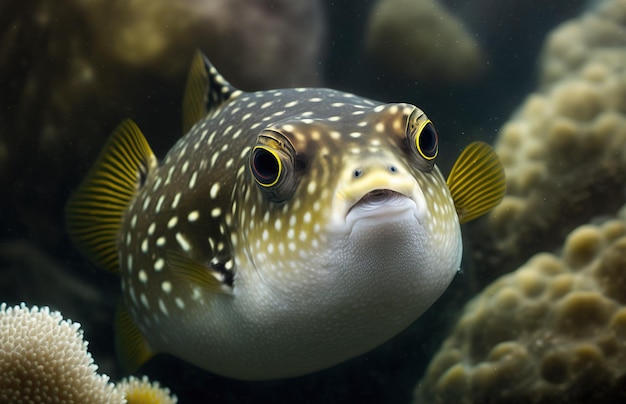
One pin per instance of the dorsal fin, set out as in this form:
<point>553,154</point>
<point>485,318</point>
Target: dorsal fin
<point>94,212</point>
<point>206,90</point>
<point>476,181</point>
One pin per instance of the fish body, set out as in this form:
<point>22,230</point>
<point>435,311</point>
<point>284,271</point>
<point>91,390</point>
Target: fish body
<point>286,231</point>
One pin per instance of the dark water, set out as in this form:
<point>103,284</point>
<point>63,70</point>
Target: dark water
<point>54,120</point>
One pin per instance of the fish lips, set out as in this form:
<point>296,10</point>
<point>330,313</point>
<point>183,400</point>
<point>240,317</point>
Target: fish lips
<point>382,205</point>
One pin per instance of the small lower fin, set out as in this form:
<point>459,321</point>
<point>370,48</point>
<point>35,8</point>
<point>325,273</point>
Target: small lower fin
<point>132,348</point>
<point>207,278</point>
<point>476,181</point>
<point>94,212</point>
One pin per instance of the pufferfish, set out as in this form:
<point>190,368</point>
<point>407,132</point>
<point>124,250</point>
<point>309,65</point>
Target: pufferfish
<point>287,231</point>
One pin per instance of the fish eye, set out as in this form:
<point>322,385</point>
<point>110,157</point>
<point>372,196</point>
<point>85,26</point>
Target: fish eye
<point>427,141</point>
<point>272,162</point>
<point>266,166</point>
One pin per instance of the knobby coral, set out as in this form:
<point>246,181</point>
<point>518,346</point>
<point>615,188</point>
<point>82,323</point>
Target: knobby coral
<point>564,151</point>
<point>554,331</point>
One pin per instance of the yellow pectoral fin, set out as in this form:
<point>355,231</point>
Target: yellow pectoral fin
<point>94,212</point>
<point>132,348</point>
<point>476,182</point>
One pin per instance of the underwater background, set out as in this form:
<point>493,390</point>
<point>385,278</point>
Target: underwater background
<point>545,84</point>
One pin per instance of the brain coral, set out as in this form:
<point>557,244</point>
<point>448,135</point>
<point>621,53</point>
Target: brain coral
<point>44,359</point>
<point>554,331</point>
<point>564,151</point>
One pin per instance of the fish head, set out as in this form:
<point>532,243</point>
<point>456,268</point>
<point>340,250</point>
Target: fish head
<point>353,200</point>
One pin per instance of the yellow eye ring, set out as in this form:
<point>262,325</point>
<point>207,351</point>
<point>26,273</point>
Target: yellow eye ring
<point>427,141</point>
<point>266,166</point>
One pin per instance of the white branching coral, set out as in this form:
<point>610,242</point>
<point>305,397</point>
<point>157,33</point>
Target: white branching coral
<point>44,359</point>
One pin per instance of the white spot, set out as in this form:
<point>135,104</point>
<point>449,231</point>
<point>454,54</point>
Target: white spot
<point>214,158</point>
<point>144,300</point>
<point>307,217</point>
<point>159,203</point>
<point>334,118</point>
<point>355,135</point>
<point>244,152</point>
<point>172,222</point>
<point>379,127</point>
<point>158,265</point>
<point>315,99</point>
<point>214,190</point>
<point>185,167</point>
<point>151,228</point>
<point>166,286</point>
<point>160,241</point>
<point>143,276</point>
<point>278,224</point>
<point>146,203</point>
<point>335,135</point>
<point>129,262</point>
<point>133,221</point>
<point>176,200</point>
<point>216,212</point>
<point>163,308</point>
<point>144,246</point>
<point>192,181</point>
<point>311,187</point>
<point>193,216</point>
<point>265,235</point>
<point>180,303</point>
<point>129,239</point>
<point>183,242</point>
<point>291,104</point>
<point>157,184</point>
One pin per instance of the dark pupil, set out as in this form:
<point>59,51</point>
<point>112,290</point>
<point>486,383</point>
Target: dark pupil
<point>265,166</point>
<point>428,140</point>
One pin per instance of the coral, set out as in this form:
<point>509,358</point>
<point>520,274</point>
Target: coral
<point>422,40</point>
<point>554,331</point>
<point>564,150</point>
<point>142,391</point>
<point>44,359</point>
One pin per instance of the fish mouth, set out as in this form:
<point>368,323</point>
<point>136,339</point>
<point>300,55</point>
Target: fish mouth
<point>382,200</point>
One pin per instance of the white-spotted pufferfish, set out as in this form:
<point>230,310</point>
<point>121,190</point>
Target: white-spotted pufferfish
<point>285,232</point>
